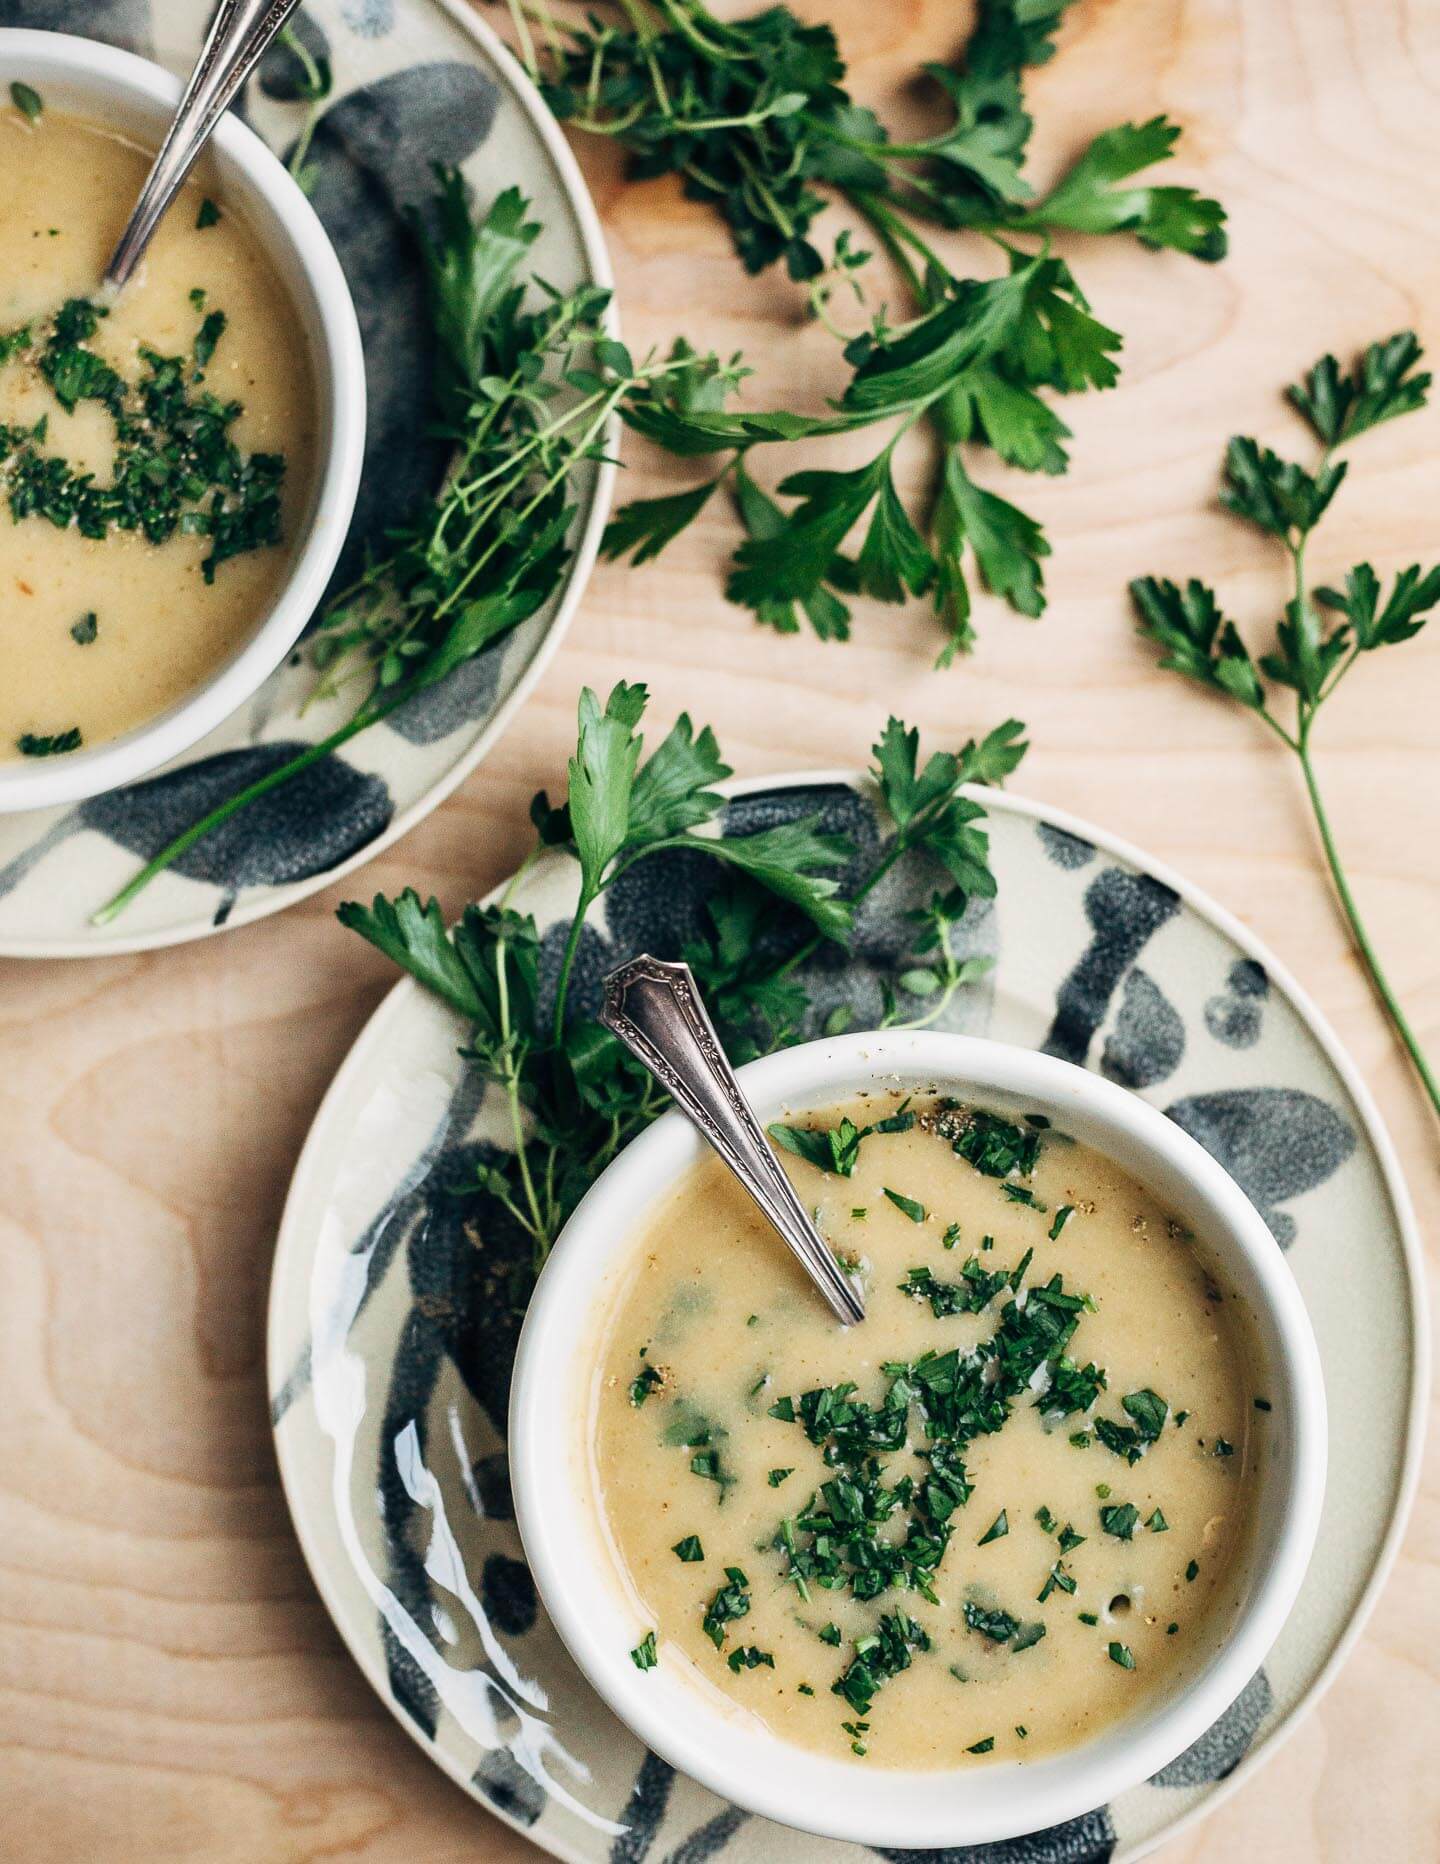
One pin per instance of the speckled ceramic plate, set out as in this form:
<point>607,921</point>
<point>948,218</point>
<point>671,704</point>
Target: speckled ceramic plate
<point>391,1334</point>
<point>416,82</point>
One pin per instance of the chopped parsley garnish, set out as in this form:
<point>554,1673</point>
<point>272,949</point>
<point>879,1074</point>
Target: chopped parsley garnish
<point>1180,1417</point>
<point>749,1657</point>
<point>952,1237</point>
<point>1171,1629</point>
<point>804,1689</point>
<point>27,100</point>
<point>1062,1216</point>
<point>829,1634</point>
<point>777,1476</point>
<point>998,1626</point>
<point>208,335</point>
<point>48,744</point>
<point>647,1380</point>
<point>1056,1580</point>
<point>1072,1388</point>
<point>1081,1439</point>
<point>1048,1523</point>
<point>835,1148</point>
<point>643,1656</point>
<point>83,632</point>
<point>1087,1618</point>
<point>884,1653</point>
<point>208,216</point>
<point>1120,1653</point>
<point>994,1146</point>
<point>175,467</point>
<point>1223,1447</point>
<point>1131,1441</point>
<point>997,1530</point>
<point>1192,1571</point>
<point>14,343</point>
<point>1120,1520</point>
<point>689,1550</point>
<point>1028,1636</point>
<point>1263,1404</point>
<point>981,1747</point>
<point>974,1291</point>
<point>731,1601</point>
<point>916,1212</point>
<point>1157,1523</point>
<point>1022,1194</point>
<point>1021,1730</point>
<point>1069,1539</point>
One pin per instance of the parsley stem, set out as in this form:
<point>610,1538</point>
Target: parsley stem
<point>511,1084</point>
<point>1358,932</point>
<point>567,963</point>
<point>369,714</point>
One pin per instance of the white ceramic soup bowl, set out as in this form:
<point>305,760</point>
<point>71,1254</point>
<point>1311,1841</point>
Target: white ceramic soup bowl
<point>596,1613</point>
<point>138,99</point>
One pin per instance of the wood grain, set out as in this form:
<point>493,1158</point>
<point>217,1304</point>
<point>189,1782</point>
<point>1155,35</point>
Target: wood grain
<point>170,1687</point>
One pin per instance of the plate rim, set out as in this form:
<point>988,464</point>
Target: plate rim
<point>267,904</point>
<point>392,1004</point>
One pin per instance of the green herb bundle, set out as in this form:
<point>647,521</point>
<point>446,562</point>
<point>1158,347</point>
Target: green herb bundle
<point>755,118</point>
<point>573,1096</point>
<point>1323,632</point>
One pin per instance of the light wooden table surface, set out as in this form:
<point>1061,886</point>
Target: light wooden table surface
<point>170,1687</point>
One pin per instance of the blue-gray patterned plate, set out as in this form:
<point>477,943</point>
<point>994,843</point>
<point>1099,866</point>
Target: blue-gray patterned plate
<point>416,82</point>
<point>391,1328</point>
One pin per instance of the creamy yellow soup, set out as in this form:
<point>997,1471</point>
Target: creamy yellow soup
<point>1005,1512</point>
<point>100,633</point>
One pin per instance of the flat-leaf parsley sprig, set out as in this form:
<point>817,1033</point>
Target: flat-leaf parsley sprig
<point>754,117</point>
<point>526,396</point>
<point>572,1095</point>
<point>1324,631</point>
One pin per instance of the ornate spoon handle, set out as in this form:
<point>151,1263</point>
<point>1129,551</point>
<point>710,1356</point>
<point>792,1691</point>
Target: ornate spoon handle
<point>657,1012</point>
<point>239,33</point>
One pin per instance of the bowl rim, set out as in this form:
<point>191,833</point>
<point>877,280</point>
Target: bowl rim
<point>338,367</point>
<point>777,1780</point>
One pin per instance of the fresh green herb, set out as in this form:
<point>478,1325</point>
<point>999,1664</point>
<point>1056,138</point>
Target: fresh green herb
<point>1102,1489</point>
<point>208,335</point>
<point>1120,1653</point>
<point>1069,1539</point>
<point>1120,1520</point>
<point>1192,1571</point>
<point>995,1146</point>
<point>804,1689</point>
<point>916,1212</point>
<point>27,100</point>
<point>1223,1447</point>
<point>997,1529</point>
<point>748,1657</point>
<point>1087,1618</point>
<point>1028,1636</point>
<point>830,1634</point>
<point>1021,1730</point>
<point>1062,1216</point>
<point>882,1654</point>
<point>15,342</point>
<point>1017,1274</point>
<point>1310,654</point>
<point>998,1626</point>
<point>1056,1580</point>
<point>1072,1388</point>
<point>1171,1629</point>
<point>84,631</point>
<point>1180,1418</point>
<point>48,744</point>
<point>754,117</point>
<point>175,466</point>
<point>689,1550</point>
<point>644,1655</point>
<point>1157,1523</point>
<point>1263,1404</point>
<point>209,214</point>
<point>951,1236</point>
<point>1022,1194</point>
<point>647,1380</point>
<point>310,81</point>
<point>973,1292</point>
<point>1149,1411</point>
<point>731,1601</point>
<point>837,1148</point>
<point>777,1476</point>
<point>1048,1523</point>
<point>1081,1439</point>
<point>981,1747</point>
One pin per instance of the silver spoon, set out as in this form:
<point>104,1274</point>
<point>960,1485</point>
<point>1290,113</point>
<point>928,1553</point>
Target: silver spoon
<point>239,33</point>
<point>656,1010</point>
